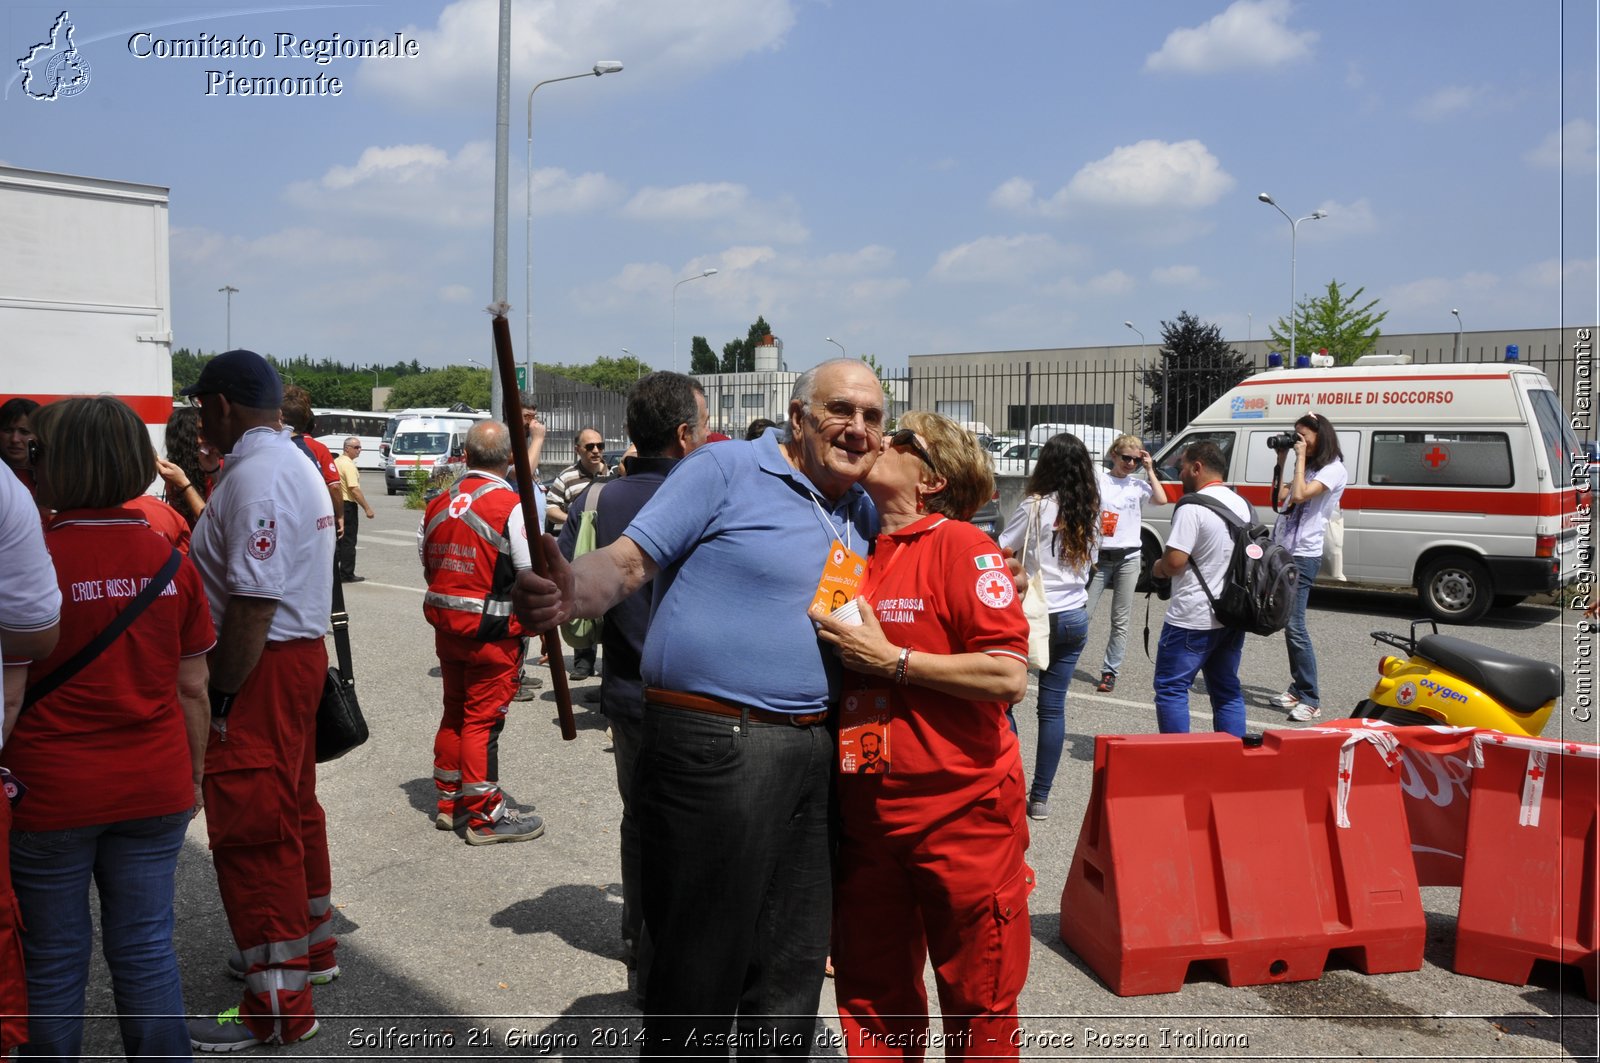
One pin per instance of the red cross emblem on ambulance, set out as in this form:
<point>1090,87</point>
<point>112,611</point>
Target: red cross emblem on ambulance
<point>1437,458</point>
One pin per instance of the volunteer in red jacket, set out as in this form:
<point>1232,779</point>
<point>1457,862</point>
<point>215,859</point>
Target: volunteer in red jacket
<point>111,757</point>
<point>931,792</point>
<point>472,542</point>
<point>264,547</point>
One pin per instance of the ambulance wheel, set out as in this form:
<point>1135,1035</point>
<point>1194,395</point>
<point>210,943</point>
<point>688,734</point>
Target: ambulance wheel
<point>1455,589</point>
<point>392,492</point>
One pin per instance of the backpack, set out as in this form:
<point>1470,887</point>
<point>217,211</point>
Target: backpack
<point>1258,590</point>
<point>581,633</point>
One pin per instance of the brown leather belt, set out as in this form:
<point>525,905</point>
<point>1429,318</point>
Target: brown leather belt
<point>674,699</point>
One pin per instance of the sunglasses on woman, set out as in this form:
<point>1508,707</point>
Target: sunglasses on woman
<point>906,438</point>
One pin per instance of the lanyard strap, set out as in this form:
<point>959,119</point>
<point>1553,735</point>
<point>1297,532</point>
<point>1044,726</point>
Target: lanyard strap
<point>827,524</point>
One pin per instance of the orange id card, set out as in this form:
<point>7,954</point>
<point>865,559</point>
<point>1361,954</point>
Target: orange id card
<point>1108,523</point>
<point>864,732</point>
<point>841,577</point>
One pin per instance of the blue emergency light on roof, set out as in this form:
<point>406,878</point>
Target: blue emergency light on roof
<point>1302,361</point>
<point>1274,359</point>
<point>1513,352</point>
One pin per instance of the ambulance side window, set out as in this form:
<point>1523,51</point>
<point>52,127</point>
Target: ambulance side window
<point>1441,459</point>
<point>1560,445</point>
<point>1168,469</point>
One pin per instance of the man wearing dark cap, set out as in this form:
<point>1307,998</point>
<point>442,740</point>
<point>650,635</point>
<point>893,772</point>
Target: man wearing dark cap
<point>264,547</point>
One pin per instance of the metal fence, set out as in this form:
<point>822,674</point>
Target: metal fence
<point>1008,398</point>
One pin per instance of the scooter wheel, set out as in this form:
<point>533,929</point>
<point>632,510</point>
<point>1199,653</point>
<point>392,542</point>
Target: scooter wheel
<point>1367,709</point>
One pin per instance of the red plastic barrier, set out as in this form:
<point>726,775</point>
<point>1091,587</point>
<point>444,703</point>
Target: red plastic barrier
<point>1195,848</point>
<point>1530,889</point>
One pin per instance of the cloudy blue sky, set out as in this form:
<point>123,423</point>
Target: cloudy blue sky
<point>906,176</point>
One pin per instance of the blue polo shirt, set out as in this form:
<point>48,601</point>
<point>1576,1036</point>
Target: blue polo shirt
<point>741,537</point>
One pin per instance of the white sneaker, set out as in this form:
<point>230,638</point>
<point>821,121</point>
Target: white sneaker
<point>1286,700</point>
<point>1303,713</point>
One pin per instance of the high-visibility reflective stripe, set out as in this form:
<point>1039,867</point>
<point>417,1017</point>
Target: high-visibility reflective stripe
<point>273,953</point>
<point>319,906</point>
<point>453,601</point>
<point>267,981</point>
<point>440,775</point>
<point>473,789</point>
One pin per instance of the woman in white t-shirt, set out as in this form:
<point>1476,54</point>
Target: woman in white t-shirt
<point>1123,495</point>
<point>1062,505</point>
<point>1312,496</point>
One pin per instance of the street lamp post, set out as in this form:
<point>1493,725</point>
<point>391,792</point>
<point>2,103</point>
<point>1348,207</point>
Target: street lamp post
<point>228,291</point>
<point>698,276</point>
<point>1457,355</point>
<point>605,66</point>
<point>1294,231</point>
<point>1129,324</point>
<point>836,343</point>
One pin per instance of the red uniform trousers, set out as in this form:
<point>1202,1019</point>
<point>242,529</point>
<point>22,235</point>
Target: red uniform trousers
<point>269,838</point>
<point>13,979</point>
<point>479,681</point>
<point>956,891</point>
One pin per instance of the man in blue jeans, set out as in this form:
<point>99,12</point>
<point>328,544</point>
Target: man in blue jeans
<point>1193,640</point>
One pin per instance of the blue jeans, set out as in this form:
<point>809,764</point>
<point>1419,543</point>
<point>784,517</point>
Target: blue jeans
<point>1180,656</point>
<point>736,879</point>
<point>1302,659</point>
<point>1121,577</point>
<point>133,864</point>
<point>1069,630</point>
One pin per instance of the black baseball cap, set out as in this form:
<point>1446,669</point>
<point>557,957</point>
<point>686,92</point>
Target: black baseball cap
<point>241,376</point>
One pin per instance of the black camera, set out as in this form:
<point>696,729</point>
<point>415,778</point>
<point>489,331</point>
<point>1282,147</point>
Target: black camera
<point>1283,441</point>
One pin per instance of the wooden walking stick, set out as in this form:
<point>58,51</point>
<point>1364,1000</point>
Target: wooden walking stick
<point>506,365</point>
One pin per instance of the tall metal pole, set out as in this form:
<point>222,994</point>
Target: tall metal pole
<point>502,167</point>
<point>698,276</point>
<point>605,66</point>
<point>836,343</point>
<point>229,290</point>
<point>1456,356</point>
<point>1294,233</point>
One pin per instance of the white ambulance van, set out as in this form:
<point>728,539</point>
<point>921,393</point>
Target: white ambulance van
<point>425,443</point>
<point>1461,481</point>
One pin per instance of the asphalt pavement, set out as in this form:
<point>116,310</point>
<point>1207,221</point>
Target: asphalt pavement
<point>450,951</point>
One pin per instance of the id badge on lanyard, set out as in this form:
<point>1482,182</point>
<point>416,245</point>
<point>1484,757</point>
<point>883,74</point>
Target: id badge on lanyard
<point>864,717</point>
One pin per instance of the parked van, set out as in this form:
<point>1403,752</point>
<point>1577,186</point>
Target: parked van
<point>427,443</point>
<point>1461,476</point>
<point>1095,438</point>
<point>460,411</point>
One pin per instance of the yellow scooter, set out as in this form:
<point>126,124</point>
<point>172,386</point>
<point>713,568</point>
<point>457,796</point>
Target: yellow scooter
<point>1450,681</point>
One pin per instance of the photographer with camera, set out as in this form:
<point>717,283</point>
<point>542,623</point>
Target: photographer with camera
<point>1305,504</point>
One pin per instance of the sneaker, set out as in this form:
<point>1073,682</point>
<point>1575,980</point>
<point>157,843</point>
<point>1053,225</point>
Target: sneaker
<point>1108,682</point>
<point>1286,700</point>
<point>226,1032</point>
<point>1303,712</point>
<point>1038,809</point>
<point>322,977</point>
<point>511,827</point>
<point>528,690</point>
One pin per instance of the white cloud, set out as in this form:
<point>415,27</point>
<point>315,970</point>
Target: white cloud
<point>424,184</point>
<point>731,212</point>
<point>1527,297</point>
<point>551,38</point>
<point>1344,219</point>
<point>1015,195</point>
<point>1249,35</point>
<point>1003,259</point>
<point>455,293</point>
<point>1448,100</point>
<point>1179,276</point>
<point>1572,146</point>
<point>1151,174</point>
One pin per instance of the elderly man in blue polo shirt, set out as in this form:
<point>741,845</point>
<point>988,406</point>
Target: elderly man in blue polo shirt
<point>735,758</point>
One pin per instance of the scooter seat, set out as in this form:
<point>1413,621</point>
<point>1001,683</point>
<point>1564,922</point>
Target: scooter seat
<point>1519,683</point>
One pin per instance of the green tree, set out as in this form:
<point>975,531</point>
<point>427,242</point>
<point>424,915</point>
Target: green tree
<point>1332,322</point>
<point>739,356</point>
<point>612,374</point>
<point>1197,366</point>
<point>879,372</point>
<point>702,359</point>
<point>442,387</point>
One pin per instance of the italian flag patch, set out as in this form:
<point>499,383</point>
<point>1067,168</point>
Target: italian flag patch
<point>987,561</point>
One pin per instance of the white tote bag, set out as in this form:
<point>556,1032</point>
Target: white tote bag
<point>1034,606</point>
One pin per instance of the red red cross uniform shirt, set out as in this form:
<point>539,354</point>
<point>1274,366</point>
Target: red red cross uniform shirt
<point>940,586</point>
<point>324,460</point>
<point>110,744</point>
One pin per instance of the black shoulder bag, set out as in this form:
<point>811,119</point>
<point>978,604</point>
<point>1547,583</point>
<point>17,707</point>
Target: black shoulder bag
<point>340,725</point>
<point>97,645</point>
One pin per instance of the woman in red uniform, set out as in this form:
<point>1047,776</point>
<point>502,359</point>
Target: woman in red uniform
<point>931,791</point>
<point>112,757</point>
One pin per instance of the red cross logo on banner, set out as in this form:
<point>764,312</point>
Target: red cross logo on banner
<point>1438,457</point>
